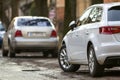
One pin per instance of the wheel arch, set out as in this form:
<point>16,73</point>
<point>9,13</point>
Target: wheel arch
<point>98,69</point>
<point>88,45</point>
<point>63,42</point>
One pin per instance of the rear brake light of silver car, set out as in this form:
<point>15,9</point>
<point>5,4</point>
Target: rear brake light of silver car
<point>53,33</point>
<point>18,33</point>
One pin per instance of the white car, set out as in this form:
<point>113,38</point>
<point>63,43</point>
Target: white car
<point>30,33</point>
<point>94,40</point>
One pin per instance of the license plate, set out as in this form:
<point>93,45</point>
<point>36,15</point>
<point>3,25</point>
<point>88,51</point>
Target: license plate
<point>36,34</point>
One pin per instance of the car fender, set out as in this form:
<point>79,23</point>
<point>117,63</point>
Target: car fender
<point>65,42</point>
<point>92,39</point>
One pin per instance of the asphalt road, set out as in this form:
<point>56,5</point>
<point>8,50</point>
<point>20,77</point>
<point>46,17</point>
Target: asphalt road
<point>32,66</point>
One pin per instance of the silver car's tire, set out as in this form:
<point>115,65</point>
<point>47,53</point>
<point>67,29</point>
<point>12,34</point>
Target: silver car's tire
<point>55,53</point>
<point>45,54</point>
<point>94,67</point>
<point>4,52</point>
<point>11,52</point>
<point>64,63</point>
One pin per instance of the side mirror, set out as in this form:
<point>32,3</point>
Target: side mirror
<point>72,25</point>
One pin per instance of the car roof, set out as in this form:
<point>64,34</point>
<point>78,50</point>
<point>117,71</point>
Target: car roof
<point>31,17</point>
<point>107,5</point>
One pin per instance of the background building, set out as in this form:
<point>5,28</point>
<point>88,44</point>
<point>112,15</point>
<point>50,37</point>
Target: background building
<point>106,1</point>
<point>60,5</point>
<point>81,6</point>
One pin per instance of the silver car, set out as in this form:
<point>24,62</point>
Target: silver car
<point>94,40</point>
<point>28,33</point>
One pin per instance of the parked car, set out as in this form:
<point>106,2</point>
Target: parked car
<point>30,33</point>
<point>2,31</point>
<point>94,40</point>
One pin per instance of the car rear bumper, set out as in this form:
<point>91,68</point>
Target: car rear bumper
<point>107,51</point>
<point>35,44</point>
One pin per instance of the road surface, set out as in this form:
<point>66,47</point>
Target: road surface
<point>32,66</point>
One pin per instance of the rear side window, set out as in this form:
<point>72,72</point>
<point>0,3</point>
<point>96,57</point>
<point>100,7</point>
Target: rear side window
<point>95,15</point>
<point>114,14</point>
<point>33,22</point>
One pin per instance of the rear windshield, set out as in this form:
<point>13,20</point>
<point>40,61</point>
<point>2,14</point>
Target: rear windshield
<point>33,22</point>
<point>114,14</point>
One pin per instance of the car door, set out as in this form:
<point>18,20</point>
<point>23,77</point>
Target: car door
<point>77,38</point>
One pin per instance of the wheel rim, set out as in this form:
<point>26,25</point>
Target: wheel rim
<point>91,60</point>
<point>64,59</point>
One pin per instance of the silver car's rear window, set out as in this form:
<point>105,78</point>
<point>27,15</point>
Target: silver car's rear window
<point>33,22</point>
<point>114,13</point>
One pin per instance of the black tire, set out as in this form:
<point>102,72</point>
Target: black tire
<point>11,52</point>
<point>95,69</point>
<point>54,53</point>
<point>64,63</point>
<point>4,52</point>
<point>12,55</point>
<point>45,54</point>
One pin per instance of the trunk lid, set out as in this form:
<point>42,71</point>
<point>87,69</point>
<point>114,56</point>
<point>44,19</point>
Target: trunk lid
<point>36,32</point>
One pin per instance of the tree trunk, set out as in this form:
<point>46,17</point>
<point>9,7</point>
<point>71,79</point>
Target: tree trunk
<point>70,14</point>
<point>42,7</point>
<point>3,16</point>
<point>1,7</point>
<point>96,1</point>
<point>14,6</point>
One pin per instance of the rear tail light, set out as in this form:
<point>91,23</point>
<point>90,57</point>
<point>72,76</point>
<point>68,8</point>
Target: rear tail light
<point>109,29</point>
<point>53,34</point>
<point>18,33</point>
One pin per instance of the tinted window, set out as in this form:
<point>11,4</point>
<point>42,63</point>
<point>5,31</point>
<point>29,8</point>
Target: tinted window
<point>33,22</point>
<point>114,14</point>
<point>84,17</point>
<point>95,15</point>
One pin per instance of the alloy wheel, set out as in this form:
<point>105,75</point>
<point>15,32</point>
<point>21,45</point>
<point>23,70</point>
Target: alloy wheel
<point>64,59</point>
<point>95,68</point>
<point>91,60</point>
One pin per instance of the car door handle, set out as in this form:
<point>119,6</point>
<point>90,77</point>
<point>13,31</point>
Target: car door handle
<point>77,35</point>
<point>87,33</point>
